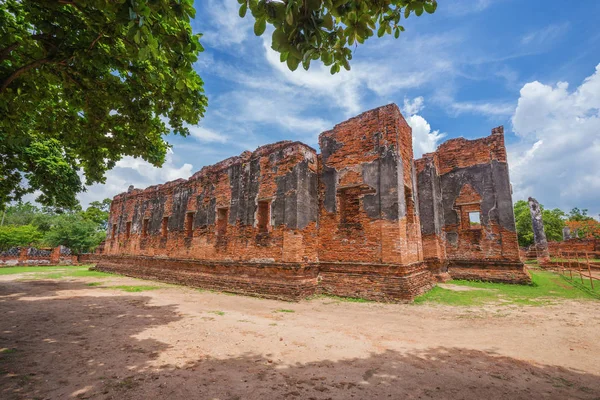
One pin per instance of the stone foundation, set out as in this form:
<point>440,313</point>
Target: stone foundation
<point>282,281</point>
<point>500,272</point>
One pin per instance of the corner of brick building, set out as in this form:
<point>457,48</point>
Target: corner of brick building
<point>467,218</point>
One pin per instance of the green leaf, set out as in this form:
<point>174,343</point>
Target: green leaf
<point>243,10</point>
<point>327,21</point>
<point>259,26</point>
<point>397,33</point>
<point>430,7</point>
<point>292,63</point>
<point>289,18</point>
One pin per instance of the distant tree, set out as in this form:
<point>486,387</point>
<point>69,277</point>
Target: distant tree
<point>84,83</point>
<point>15,236</point>
<point>553,223</point>
<point>98,212</point>
<point>327,30</point>
<point>580,223</point>
<point>75,232</point>
<point>577,214</point>
<point>20,214</point>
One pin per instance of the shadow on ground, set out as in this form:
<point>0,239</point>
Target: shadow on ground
<point>57,347</point>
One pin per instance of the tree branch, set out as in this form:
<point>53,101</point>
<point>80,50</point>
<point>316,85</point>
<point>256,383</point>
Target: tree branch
<point>21,71</point>
<point>95,40</point>
<point>6,51</point>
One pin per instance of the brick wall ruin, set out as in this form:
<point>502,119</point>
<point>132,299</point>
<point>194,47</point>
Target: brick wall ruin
<point>33,256</point>
<point>285,222</point>
<point>467,219</point>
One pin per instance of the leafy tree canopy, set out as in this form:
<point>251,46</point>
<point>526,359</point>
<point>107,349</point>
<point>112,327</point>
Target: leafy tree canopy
<point>579,215</point>
<point>75,232</point>
<point>15,236</point>
<point>326,30</point>
<point>553,223</point>
<point>25,224</point>
<point>84,83</point>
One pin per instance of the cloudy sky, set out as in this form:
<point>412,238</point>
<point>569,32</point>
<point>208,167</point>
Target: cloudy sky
<point>532,66</point>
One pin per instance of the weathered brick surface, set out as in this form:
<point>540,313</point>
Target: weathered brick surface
<point>463,178</point>
<point>284,281</point>
<point>368,161</point>
<point>572,247</point>
<point>285,222</point>
<point>32,256</point>
<point>498,271</point>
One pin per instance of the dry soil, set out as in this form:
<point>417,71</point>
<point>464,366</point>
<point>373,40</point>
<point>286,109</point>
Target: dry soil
<point>63,339</point>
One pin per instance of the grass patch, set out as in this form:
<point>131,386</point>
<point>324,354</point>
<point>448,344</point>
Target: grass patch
<point>53,272</point>
<point>547,288</point>
<point>133,289</point>
<point>221,313</point>
<point>94,284</point>
<point>283,310</point>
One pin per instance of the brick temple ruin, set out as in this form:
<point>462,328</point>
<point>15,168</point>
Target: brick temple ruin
<point>361,219</point>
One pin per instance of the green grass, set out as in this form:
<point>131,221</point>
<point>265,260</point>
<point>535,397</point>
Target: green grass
<point>94,284</point>
<point>54,272</point>
<point>547,288</point>
<point>132,289</point>
<point>221,313</point>
<point>283,310</point>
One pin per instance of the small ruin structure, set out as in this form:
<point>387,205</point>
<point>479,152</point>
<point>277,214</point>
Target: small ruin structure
<point>361,219</point>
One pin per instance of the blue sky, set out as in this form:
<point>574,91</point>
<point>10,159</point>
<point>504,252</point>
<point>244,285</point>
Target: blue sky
<point>473,65</point>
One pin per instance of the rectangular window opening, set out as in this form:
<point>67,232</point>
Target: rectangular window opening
<point>114,231</point>
<point>222,217</point>
<point>475,219</point>
<point>350,207</point>
<point>264,216</point>
<point>128,230</point>
<point>145,224</point>
<point>189,224</point>
<point>164,228</point>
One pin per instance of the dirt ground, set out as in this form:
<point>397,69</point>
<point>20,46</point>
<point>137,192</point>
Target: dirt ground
<point>63,339</point>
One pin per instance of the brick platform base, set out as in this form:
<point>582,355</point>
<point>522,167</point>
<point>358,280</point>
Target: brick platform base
<point>284,281</point>
<point>491,271</point>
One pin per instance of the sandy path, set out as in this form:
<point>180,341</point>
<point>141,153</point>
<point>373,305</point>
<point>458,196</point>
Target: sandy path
<point>69,340</point>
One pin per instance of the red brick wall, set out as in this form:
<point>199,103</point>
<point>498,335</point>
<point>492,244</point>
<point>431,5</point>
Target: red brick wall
<point>212,187</point>
<point>351,152</point>
<point>463,177</point>
<point>346,222</point>
<point>574,246</point>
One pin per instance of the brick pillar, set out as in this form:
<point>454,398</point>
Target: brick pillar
<point>539,236</point>
<point>55,255</point>
<point>22,255</point>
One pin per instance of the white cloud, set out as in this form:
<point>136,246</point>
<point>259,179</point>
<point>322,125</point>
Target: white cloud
<point>464,7</point>
<point>545,35</point>
<point>136,172</point>
<point>485,108</point>
<point>424,139</point>
<point>378,69</point>
<point>207,135</point>
<point>226,28</point>
<point>414,106</point>
<point>558,156</point>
